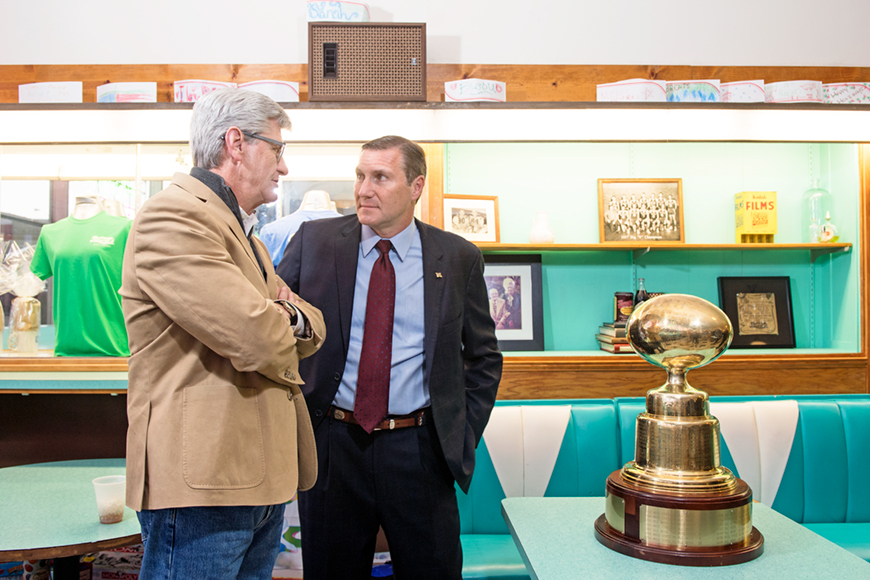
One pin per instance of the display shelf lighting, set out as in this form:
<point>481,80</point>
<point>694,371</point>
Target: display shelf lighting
<point>438,122</point>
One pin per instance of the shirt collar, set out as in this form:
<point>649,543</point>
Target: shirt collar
<point>401,241</point>
<point>248,221</point>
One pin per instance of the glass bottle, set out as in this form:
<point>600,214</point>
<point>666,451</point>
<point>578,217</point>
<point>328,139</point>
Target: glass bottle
<point>642,295</point>
<point>816,205</point>
<point>828,233</point>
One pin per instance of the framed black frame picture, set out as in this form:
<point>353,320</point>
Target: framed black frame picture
<point>759,309</point>
<point>516,300</point>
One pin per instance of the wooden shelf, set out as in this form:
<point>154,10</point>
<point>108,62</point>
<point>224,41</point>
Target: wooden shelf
<point>816,250</point>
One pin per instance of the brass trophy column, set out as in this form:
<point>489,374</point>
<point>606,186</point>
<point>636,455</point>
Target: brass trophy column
<point>675,503</point>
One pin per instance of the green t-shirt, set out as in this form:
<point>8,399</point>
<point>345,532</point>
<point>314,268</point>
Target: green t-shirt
<point>85,258</point>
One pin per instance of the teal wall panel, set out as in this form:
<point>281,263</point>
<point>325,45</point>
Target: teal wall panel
<point>561,179</point>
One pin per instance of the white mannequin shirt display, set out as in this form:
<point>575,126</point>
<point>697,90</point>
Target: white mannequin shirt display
<point>316,205</point>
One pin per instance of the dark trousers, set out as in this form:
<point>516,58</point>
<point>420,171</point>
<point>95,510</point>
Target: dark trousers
<point>395,479</point>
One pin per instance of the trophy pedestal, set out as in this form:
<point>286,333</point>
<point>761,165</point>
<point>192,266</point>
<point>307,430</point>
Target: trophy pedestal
<point>687,530</point>
<point>675,503</point>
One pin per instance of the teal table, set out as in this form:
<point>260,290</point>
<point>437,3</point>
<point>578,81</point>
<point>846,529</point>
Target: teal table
<point>48,510</point>
<point>556,540</point>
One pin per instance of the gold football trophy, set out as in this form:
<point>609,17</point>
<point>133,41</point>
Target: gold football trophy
<point>675,503</point>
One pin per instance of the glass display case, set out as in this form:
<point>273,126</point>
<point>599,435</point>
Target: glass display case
<point>532,157</point>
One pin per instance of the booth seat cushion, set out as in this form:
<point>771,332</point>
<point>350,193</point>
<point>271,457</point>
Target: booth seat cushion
<point>491,557</point>
<point>853,537</point>
<point>573,462</point>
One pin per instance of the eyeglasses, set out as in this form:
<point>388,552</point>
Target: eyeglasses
<point>278,145</point>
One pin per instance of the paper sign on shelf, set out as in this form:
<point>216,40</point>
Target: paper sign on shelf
<point>706,91</point>
<point>189,90</point>
<point>793,92</point>
<point>279,91</point>
<point>475,90</point>
<point>319,11</point>
<point>742,92</point>
<point>632,90</point>
<point>127,93</point>
<point>846,93</point>
<point>61,92</point>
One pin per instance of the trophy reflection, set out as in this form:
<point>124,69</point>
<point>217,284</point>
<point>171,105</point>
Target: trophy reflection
<point>675,503</point>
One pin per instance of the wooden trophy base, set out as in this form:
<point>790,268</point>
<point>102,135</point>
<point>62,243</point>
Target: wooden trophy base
<point>682,553</point>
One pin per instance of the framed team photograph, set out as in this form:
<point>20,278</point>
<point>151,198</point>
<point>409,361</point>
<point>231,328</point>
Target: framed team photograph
<point>474,217</point>
<point>759,309</point>
<point>513,284</point>
<point>640,211</point>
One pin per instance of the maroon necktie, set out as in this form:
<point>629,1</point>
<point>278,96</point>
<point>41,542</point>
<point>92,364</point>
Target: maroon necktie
<point>373,384</point>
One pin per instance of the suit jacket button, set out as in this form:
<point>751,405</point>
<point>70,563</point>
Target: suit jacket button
<point>318,413</point>
<point>336,376</point>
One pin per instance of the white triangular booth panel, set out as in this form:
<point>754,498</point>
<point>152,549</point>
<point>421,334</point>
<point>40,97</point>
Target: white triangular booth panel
<point>737,424</point>
<point>504,441</point>
<point>543,432</point>
<point>776,423</point>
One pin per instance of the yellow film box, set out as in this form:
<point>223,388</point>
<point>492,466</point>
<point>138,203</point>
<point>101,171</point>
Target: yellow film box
<point>755,216</point>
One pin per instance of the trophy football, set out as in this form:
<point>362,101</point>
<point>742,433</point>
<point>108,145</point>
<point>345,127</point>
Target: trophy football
<point>675,503</point>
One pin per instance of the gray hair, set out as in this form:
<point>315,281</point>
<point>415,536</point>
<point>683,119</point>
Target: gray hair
<point>217,111</point>
<point>413,156</point>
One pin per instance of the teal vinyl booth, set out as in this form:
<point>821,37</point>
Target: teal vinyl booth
<point>588,453</point>
<point>824,484</point>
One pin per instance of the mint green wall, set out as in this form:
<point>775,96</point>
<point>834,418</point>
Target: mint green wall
<point>561,179</point>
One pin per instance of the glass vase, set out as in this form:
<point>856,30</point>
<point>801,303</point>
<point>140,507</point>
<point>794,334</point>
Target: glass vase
<point>816,205</point>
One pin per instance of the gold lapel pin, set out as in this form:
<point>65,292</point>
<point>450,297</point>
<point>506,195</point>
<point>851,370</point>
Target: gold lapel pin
<point>438,275</point>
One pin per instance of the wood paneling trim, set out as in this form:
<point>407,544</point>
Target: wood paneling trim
<point>431,207</point>
<point>864,219</point>
<point>64,364</point>
<point>524,82</point>
<point>551,383</point>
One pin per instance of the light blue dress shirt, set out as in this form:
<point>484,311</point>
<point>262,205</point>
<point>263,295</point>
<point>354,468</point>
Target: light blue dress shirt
<point>407,391</point>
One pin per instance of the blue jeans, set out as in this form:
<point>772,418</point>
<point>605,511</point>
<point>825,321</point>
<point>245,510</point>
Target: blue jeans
<point>211,543</point>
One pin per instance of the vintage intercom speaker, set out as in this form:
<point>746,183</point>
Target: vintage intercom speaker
<point>366,61</point>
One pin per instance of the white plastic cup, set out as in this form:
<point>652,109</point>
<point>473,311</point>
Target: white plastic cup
<point>110,491</point>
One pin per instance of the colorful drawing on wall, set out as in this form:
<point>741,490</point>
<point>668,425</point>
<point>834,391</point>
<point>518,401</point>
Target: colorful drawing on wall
<point>793,92</point>
<point>632,90</point>
<point>742,92</point>
<point>706,91</point>
<point>846,93</point>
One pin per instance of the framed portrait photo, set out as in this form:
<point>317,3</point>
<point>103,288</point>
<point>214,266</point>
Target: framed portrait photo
<point>474,217</point>
<point>513,284</point>
<point>759,309</point>
<point>640,211</point>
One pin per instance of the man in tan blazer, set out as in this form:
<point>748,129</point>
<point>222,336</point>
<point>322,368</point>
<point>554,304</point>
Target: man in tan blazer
<point>219,435</point>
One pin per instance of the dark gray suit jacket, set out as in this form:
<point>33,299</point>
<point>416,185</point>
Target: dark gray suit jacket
<point>462,364</point>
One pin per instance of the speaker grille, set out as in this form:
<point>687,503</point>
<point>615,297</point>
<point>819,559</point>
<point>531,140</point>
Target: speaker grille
<point>373,62</point>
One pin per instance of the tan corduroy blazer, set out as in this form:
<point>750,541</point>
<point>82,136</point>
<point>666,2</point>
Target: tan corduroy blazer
<point>215,413</point>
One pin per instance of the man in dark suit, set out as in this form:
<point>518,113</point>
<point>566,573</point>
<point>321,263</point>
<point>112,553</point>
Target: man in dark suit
<point>512,304</point>
<point>405,383</point>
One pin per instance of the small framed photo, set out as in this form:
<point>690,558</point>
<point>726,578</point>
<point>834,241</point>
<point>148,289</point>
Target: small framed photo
<point>640,210</point>
<point>759,309</point>
<point>513,284</point>
<point>474,217</point>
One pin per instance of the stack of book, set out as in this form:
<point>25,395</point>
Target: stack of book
<point>611,337</point>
